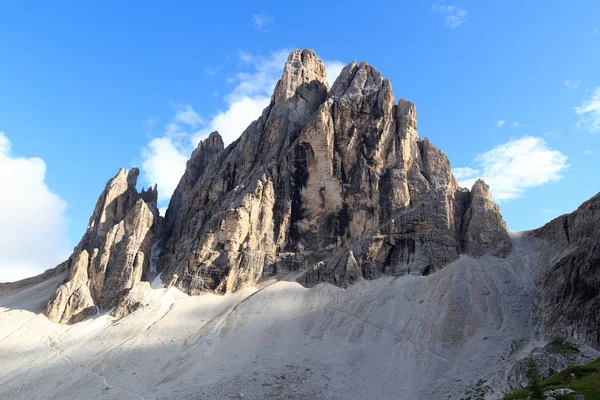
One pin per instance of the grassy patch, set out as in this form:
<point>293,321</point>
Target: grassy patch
<point>585,380</point>
<point>561,346</point>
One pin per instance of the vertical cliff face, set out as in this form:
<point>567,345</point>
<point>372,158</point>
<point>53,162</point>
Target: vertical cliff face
<point>570,281</point>
<point>113,253</point>
<point>335,182</point>
<point>481,223</point>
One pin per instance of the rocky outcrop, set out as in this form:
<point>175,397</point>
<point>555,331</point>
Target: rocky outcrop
<point>136,297</point>
<point>113,253</point>
<point>481,223</point>
<point>570,282</point>
<point>334,182</point>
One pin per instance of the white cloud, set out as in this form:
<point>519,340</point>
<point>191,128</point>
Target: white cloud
<point>465,173</point>
<point>572,84</point>
<point>587,152</point>
<point>235,119</point>
<point>500,123</point>
<point>515,166</point>
<point>455,15</point>
<point>334,68</point>
<point>547,211</point>
<point>33,237</point>
<point>589,112</point>
<point>261,20</point>
<point>164,158</point>
<point>164,163</point>
<point>187,116</point>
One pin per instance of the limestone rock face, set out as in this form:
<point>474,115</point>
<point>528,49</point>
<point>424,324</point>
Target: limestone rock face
<point>335,183</point>
<point>481,223</point>
<point>113,253</point>
<point>136,297</point>
<point>570,282</point>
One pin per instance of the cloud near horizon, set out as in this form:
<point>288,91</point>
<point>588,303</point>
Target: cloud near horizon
<point>34,225</point>
<point>164,158</point>
<point>513,167</point>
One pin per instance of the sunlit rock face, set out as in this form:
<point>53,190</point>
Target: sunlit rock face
<point>113,254</point>
<point>332,182</point>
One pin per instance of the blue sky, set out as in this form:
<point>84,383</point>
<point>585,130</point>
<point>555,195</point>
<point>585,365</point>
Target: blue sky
<point>508,89</point>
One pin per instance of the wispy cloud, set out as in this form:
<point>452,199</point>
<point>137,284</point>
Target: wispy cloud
<point>589,112</point>
<point>34,234</point>
<point>548,211</point>
<point>572,84</point>
<point>500,123</point>
<point>513,167</point>
<point>261,20</point>
<point>186,115</point>
<point>210,71</point>
<point>518,124</point>
<point>455,16</point>
<point>587,152</point>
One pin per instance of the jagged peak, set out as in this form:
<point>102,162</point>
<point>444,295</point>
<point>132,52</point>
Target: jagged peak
<point>214,140</point>
<point>129,176</point>
<point>481,189</point>
<point>150,195</point>
<point>301,67</point>
<point>407,112</point>
<point>357,79</point>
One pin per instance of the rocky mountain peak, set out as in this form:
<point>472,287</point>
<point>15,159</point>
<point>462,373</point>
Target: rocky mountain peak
<point>481,189</point>
<point>302,68</point>
<point>332,184</point>
<point>113,254</point>
<point>484,230</point>
<point>335,183</point>
<point>214,141</point>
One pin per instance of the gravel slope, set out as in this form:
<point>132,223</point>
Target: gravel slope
<point>392,338</point>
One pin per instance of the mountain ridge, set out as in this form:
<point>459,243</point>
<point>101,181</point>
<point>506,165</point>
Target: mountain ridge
<point>347,260</point>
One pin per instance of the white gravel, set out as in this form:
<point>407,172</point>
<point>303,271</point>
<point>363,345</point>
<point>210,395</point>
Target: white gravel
<point>410,337</point>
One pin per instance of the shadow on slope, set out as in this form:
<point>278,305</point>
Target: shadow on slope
<point>419,337</point>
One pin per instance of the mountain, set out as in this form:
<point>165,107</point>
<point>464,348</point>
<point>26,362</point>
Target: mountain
<point>331,182</point>
<point>329,252</point>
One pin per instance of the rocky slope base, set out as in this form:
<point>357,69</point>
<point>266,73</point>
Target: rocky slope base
<point>466,329</point>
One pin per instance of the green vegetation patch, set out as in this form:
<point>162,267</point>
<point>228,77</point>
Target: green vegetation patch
<point>561,346</point>
<point>584,380</point>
